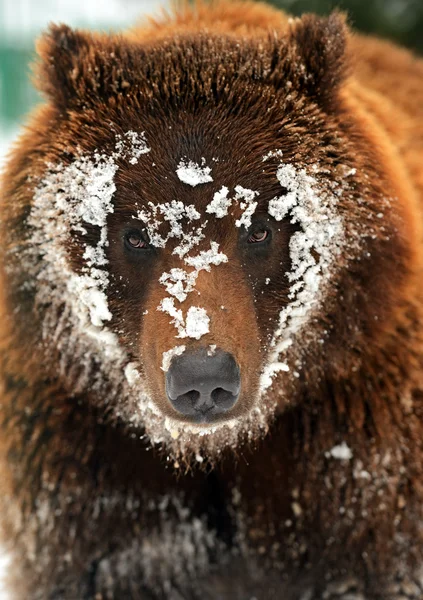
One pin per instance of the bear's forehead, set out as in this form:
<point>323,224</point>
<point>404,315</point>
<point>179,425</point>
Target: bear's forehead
<point>199,179</point>
<point>192,161</point>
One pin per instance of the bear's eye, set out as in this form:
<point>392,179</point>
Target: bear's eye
<point>258,236</point>
<point>135,240</point>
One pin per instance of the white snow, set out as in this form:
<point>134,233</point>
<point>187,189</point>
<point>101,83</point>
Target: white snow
<point>4,565</point>
<point>66,200</point>
<point>220,203</point>
<point>169,355</point>
<point>194,174</point>
<point>273,154</point>
<point>137,144</point>
<point>206,258</point>
<point>132,374</point>
<point>313,252</point>
<point>178,283</point>
<point>197,323</point>
<point>341,452</point>
<point>167,305</point>
<point>172,213</point>
<point>247,204</point>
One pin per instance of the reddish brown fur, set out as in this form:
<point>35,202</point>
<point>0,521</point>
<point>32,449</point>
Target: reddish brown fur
<point>292,517</point>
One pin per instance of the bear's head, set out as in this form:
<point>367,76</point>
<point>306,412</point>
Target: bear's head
<point>203,230</point>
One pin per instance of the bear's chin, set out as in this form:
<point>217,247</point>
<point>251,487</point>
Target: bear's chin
<point>188,444</point>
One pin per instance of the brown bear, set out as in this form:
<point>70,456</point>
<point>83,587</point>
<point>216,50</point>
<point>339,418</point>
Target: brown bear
<point>212,314</point>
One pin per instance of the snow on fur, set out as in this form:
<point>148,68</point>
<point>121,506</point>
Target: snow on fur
<point>273,154</point>
<point>173,213</point>
<point>341,452</point>
<point>170,355</point>
<point>247,204</point>
<point>220,203</point>
<point>73,196</point>
<point>69,198</point>
<point>197,322</point>
<point>194,174</point>
<point>179,283</point>
<point>313,251</point>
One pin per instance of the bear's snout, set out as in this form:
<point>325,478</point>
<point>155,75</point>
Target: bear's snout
<point>203,385</point>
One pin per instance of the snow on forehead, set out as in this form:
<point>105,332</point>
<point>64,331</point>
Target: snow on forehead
<point>192,173</point>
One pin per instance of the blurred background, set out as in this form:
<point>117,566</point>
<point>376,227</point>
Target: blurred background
<point>21,21</point>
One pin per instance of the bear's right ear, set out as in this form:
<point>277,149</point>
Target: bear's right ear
<point>62,51</point>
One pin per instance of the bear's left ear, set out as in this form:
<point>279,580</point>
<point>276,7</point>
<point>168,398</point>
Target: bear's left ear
<point>319,47</point>
<point>77,68</point>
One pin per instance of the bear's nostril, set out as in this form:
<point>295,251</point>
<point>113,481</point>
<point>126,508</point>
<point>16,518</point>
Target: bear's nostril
<point>200,386</point>
<point>223,398</point>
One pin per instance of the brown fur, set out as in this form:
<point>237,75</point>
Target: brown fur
<point>89,509</point>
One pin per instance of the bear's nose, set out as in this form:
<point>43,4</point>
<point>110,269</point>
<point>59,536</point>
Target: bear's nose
<point>204,384</point>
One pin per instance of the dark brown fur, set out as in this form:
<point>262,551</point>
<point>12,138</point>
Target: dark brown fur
<point>89,509</point>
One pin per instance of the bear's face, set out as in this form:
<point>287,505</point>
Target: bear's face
<point>194,238</point>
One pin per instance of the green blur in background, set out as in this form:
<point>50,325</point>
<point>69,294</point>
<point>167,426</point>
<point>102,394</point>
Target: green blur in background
<point>398,20</point>
<point>22,20</point>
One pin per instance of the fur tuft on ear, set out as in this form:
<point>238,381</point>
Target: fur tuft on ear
<point>60,50</point>
<point>320,44</point>
<point>77,68</point>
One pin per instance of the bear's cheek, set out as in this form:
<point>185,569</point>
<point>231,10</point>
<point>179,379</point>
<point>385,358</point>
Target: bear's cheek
<point>227,305</point>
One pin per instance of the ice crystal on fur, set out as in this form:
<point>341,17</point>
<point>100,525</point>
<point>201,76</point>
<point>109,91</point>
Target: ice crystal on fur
<point>132,374</point>
<point>194,174</point>
<point>178,283</point>
<point>196,323</point>
<point>273,154</point>
<point>137,144</point>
